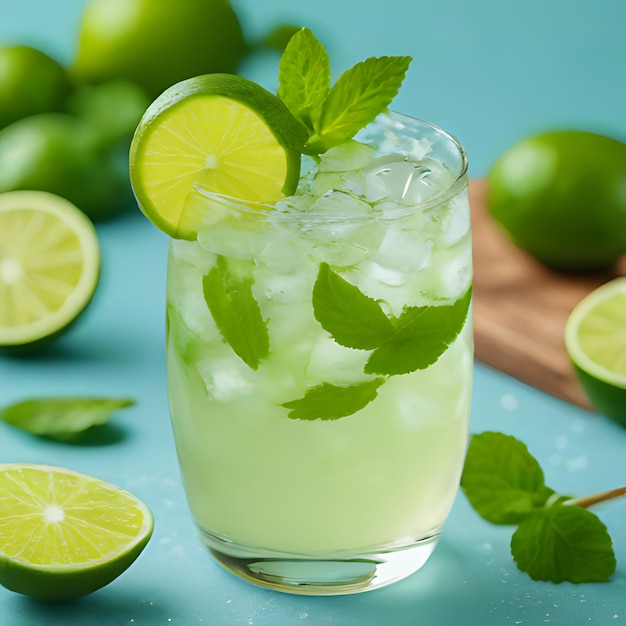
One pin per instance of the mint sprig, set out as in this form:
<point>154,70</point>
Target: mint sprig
<point>236,313</point>
<point>557,538</point>
<point>62,418</point>
<point>304,77</point>
<point>334,114</point>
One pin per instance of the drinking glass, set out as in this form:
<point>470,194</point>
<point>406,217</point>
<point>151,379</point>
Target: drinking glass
<point>320,415</point>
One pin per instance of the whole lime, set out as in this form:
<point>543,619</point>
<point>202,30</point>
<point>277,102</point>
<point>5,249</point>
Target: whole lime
<point>52,152</point>
<point>561,196</point>
<point>156,43</point>
<point>112,110</point>
<point>31,82</point>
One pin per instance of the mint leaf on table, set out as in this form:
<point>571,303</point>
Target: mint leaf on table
<point>304,77</point>
<point>422,335</point>
<point>357,97</point>
<point>564,543</point>
<point>330,402</point>
<point>236,313</point>
<point>502,480</point>
<point>557,538</point>
<point>353,319</point>
<point>63,417</point>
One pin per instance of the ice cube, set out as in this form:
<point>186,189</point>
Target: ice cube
<point>238,239</point>
<point>283,288</point>
<point>332,363</point>
<point>191,253</point>
<point>403,248</point>
<point>347,157</point>
<point>226,378</point>
<point>455,223</point>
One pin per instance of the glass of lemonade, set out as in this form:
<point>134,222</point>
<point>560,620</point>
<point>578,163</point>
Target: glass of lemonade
<point>319,359</point>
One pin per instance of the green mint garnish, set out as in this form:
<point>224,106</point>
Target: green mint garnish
<point>236,313</point>
<point>413,341</point>
<point>564,544</point>
<point>62,418</point>
<point>335,114</point>
<point>353,319</point>
<point>304,77</point>
<point>557,538</point>
<point>330,402</point>
<point>422,335</point>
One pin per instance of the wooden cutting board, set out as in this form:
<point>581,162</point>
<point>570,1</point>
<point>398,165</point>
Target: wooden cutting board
<point>521,306</point>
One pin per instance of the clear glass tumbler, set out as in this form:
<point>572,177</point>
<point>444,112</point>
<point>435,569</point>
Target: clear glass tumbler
<point>320,360</point>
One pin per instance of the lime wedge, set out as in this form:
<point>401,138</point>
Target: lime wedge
<point>64,534</point>
<point>49,267</point>
<point>221,132</point>
<point>595,339</point>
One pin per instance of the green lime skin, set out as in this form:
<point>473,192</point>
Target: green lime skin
<point>561,196</point>
<point>63,584</point>
<point>156,43</point>
<point>606,399</point>
<point>31,82</point>
<point>53,152</point>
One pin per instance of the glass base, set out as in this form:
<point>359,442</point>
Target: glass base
<point>328,575</point>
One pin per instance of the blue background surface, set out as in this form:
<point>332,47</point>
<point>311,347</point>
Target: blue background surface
<point>489,72</point>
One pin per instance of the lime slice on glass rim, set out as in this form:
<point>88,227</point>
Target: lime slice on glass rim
<point>222,133</point>
<point>49,267</point>
<point>595,339</point>
<point>64,534</point>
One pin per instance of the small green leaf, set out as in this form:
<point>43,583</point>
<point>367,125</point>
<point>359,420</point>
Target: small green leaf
<point>329,402</point>
<point>61,418</point>
<point>353,319</point>
<point>503,482</point>
<point>236,313</point>
<point>422,335</point>
<point>564,544</point>
<point>304,77</point>
<point>356,98</point>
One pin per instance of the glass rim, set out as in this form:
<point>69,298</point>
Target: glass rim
<point>252,209</point>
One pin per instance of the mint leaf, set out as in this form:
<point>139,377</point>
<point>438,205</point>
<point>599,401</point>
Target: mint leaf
<point>564,543</point>
<point>422,335</point>
<point>353,319</point>
<point>503,482</point>
<point>62,418</point>
<point>356,98</point>
<point>304,77</point>
<point>330,402</point>
<point>236,313</point>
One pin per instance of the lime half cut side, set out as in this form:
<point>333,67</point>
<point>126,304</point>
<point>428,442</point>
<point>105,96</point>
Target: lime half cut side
<point>64,534</point>
<point>49,267</point>
<point>222,133</point>
<point>595,339</point>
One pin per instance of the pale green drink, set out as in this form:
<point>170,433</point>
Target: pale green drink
<point>352,496</point>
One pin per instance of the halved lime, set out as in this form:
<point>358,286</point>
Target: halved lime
<point>64,534</point>
<point>595,339</point>
<point>49,267</point>
<point>221,132</point>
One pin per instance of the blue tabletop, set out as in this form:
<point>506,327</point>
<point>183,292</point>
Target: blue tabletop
<point>489,72</point>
